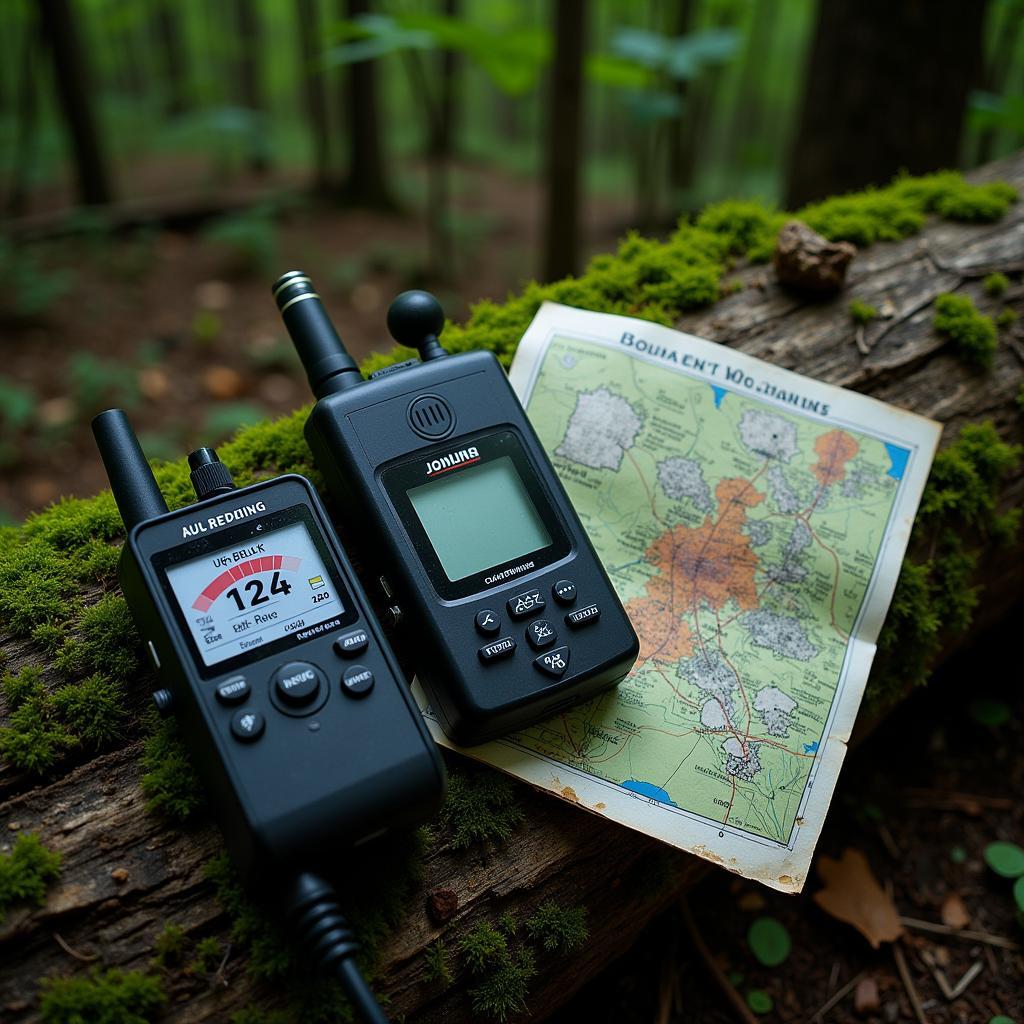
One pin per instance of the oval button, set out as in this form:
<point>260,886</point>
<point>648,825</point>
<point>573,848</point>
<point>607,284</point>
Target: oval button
<point>297,683</point>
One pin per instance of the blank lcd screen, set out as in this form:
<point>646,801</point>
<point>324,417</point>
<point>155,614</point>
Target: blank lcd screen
<point>479,517</point>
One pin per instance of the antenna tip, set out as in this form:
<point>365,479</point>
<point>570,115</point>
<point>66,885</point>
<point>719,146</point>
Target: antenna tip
<point>414,316</point>
<point>289,285</point>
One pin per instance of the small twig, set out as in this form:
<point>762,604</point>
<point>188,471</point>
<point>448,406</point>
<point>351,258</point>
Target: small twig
<point>937,973</point>
<point>961,986</point>
<point>836,998</point>
<point>85,958</point>
<point>833,976</point>
<point>219,973</point>
<point>862,346</point>
<point>960,933</point>
<point>735,999</point>
<point>888,841</point>
<point>908,983</point>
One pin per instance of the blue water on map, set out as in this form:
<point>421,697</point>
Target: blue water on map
<point>648,790</point>
<point>719,394</point>
<point>811,748</point>
<point>899,458</point>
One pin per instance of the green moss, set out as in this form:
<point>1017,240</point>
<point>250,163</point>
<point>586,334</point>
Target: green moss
<point>1006,317</point>
<point>169,948</point>
<point>25,873</point>
<point>169,781</point>
<point>435,960</point>
<point>995,284</point>
<point>502,993</point>
<point>973,334</point>
<point>958,517</point>
<point>45,726</point>
<point>207,957</point>
<point>558,929</point>
<point>862,312</point>
<point>483,947</point>
<point>111,997</point>
<point>481,807</point>
<point>102,639</point>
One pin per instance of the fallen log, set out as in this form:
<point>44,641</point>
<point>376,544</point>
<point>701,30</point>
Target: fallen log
<point>127,873</point>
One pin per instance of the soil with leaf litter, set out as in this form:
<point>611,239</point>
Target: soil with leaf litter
<point>931,802</point>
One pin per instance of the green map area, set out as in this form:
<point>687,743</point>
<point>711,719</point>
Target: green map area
<point>742,539</point>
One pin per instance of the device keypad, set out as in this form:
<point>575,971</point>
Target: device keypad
<point>583,616</point>
<point>564,592</point>
<point>247,725</point>
<point>357,681</point>
<point>540,634</point>
<point>497,649</point>
<point>234,690</point>
<point>352,643</point>
<point>487,622</point>
<point>525,604</point>
<point>298,683</point>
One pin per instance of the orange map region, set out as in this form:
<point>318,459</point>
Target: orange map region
<point>711,564</point>
<point>835,449</point>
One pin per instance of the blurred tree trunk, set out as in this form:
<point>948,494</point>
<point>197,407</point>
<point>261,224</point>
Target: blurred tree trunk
<point>367,183</point>
<point>171,48</point>
<point>74,95</point>
<point>886,91</point>
<point>249,49</point>
<point>307,15</point>
<point>998,69</point>
<point>564,140</point>
<point>445,125</point>
<point>26,115</point>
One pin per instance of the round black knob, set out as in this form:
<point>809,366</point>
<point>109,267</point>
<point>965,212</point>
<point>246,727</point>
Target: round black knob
<point>414,317</point>
<point>209,475</point>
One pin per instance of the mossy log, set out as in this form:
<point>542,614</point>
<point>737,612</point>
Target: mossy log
<point>127,873</point>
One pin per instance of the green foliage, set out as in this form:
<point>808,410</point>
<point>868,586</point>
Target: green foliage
<point>110,997</point>
<point>750,228</point>
<point>169,781</point>
<point>973,334</point>
<point>435,960</point>
<point>1006,317</point>
<point>106,641</point>
<point>862,312</point>
<point>30,288</point>
<point>170,945</point>
<point>503,992</point>
<point>481,807</point>
<point>248,240</point>
<point>558,929</point>
<point>760,1001</point>
<point>255,1015</point>
<point>483,947</point>
<point>25,872</point>
<point>207,957</point>
<point>769,941</point>
<point>1005,859</point>
<point>990,712</point>
<point>995,284</point>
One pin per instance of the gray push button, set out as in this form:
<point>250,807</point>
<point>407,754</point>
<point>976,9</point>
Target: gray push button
<point>564,591</point>
<point>357,681</point>
<point>503,648</point>
<point>583,616</point>
<point>554,663</point>
<point>541,634</point>
<point>247,725</point>
<point>297,683</point>
<point>528,603</point>
<point>233,691</point>
<point>351,644</point>
<point>487,622</point>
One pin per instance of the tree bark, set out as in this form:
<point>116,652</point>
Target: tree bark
<point>74,95</point>
<point>565,141</point>
<point>94,814</point>
<point>249,43</point>
<point>886,91</point>
<point>307,16</point>
<point>171,47</point>
<point>368,182</point>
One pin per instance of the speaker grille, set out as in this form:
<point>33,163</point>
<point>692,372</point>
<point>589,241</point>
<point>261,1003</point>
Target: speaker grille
<point>431,417</point>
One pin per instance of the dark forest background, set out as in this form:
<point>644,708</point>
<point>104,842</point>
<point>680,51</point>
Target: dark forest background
<point>162,160</point>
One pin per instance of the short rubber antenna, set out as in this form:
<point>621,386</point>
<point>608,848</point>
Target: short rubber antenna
<point>415,319</point>
<point>328,365</point>
<point>135,488</point>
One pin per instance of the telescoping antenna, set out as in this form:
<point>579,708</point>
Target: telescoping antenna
<point>415,319</point>
<point>135,488</point>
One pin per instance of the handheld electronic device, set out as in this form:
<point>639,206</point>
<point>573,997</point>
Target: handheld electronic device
<point>284,687</point>
<point>514,617</point>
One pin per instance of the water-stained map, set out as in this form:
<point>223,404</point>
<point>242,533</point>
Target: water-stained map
<point>753,522</point>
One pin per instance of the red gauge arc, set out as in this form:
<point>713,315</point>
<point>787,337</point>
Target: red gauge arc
<point>265,563</point>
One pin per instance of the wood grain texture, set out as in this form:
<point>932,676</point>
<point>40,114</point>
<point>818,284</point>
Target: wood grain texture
<point>126,874</point>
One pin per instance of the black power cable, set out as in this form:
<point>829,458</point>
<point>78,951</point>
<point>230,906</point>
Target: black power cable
<point>313,913</point>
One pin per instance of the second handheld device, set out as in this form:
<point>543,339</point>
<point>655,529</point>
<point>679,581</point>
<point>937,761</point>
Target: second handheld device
<point>513,615</point>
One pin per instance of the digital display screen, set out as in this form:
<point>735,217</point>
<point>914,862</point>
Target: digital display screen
<point>479,517</point>
<point>239,598</point>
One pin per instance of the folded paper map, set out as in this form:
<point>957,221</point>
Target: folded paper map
<point>753,522</point>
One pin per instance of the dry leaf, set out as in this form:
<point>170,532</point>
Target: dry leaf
<point>751,901</point>
<point>852,894</point>
<point>865,996</point>
<point>954,912</point>
<point>223,382</point>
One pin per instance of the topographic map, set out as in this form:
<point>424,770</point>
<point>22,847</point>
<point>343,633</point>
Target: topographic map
<point>753,523</point>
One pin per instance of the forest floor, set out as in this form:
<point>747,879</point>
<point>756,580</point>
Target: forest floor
<point>179,328</point>
<point>921,798</point>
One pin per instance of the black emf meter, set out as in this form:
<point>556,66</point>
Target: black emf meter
<point>276,669</point>
<point>512,616</point>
